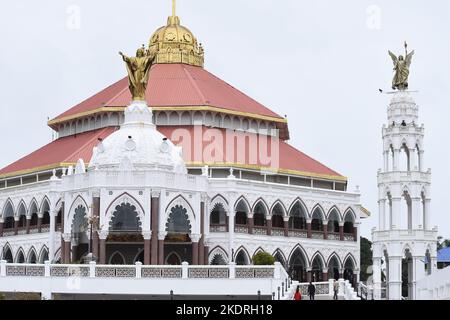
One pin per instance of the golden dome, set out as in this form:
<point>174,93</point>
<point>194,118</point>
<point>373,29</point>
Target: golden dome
<point>176,44</point>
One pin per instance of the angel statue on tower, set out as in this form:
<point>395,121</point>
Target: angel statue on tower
<point>401,67</point>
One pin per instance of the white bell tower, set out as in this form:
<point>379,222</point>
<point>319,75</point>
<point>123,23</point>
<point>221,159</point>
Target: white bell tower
<point>404,244</point>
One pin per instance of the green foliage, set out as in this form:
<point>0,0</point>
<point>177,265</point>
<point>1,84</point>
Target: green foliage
<point>2,296</point>
<point>366,258</point>
<point>442,243</point>
<point>263,259</point>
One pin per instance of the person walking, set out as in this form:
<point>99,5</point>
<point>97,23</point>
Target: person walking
<point>311,290</point>
<point>336,289</point>
<point>298,295</point>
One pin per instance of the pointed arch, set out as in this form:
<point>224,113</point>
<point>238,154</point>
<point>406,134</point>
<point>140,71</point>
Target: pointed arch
<point>333,221</point>
<point>242,210</point>
<point>278,204</point>
<point>43,254</point>
<point>334,266</point>
<point>32,256</point>
<point>277,213</point>
<point>76,204</point>
<point>349,213</point>
<point>242,203</point>
<point>180,202</point>
<point>262,202</point>
<point>45,205</point>
<point>218,220</point>
<point>117,258</point>
<point>124,199</point>
<point>7,253</point>
<point>8,209</point>
<point>298,264</point>
<point>258,250</point>
<point>20,256</point>
<point>349,258</point>
<point>214,255</point>
<point>302,206</point>
<point>336,211</point>
<point>34,207</point>
<point>173,258</point>
<point>317,218</point>
<point>299,249</point>
<point>260,212</point>
<point>334,255</point>
<point>218,198</point>
<point>22,209</point>
<point>317,267</point>
<point>242,257</point>
<point>317,256</point>
<point>280,257</point>
<point>318,210</point>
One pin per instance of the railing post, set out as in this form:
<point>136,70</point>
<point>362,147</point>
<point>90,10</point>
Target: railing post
<point>232,268</point>
<point>282,289</point>
<point>2,268</point>
<point>278,293</point>
<point>259,294</point>
<point>277,271</point>
<point>331,287</point>
<point>138,269</point>
<point>184,270</point>
<point>92,265</point>
<point>171,294</point>
<point>273,295</point>
<point>47,272</point>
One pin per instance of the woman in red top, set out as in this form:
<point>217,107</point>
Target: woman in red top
<point>297,295</point>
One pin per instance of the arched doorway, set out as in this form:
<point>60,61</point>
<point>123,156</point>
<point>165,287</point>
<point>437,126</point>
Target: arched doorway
<point>218,221</point>
<point>242,258</point>
<point>333,268</point>
<point>79,238</point>
<point>297,266</point>
<point>178,240</point>
<point>7,255</point>
<point>349,267</point>
<point>317,267</point>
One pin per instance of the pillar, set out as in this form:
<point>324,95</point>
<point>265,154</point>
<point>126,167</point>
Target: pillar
<point>147,247</point>
<point>231,218</point>
<point>395,214</point>
<point>66,239</point>
<point>418,274</point>
<point>341,231</point>
<point>286,226</point>
<point>154,227</point>
<point>308,227</point>
<point>325,229</point>
<point>74,251</point>
<point>28,225</point>
<point>95,237</point>
<point>325,274</point>
<point>201,241</point>
<point>269,225</point>
<point>382,214</point>
<point>206,255</point>
<point>161,237</point>
<point>95,244</point>
<point>395,280</point>
<point>51,247</point>
<point>356,231</point>
<point>426,215</point>
<point>396,159</point>
<point>1,227</point>
<point>376,275</point>
<point>413,160</point>
<point>308,274</point>
<point>386,161</point>
<point>103,235</point>
<point>250,224</point>
<point>421,166</point>
<point>39,222</point>
<point>355,279</point>
<point>16,226</point>
<point>195,248</point>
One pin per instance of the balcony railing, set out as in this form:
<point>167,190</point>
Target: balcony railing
<point>299,233</point>
<point>349,237</point>
<point>241,228</point>
<point>317,235</point>
<point>278,232</point>
<point>259,230</point>
<point>218,228</point>
<point>334,236</point>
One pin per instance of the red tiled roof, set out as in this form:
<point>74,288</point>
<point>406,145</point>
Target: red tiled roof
<point>176,85</point>
<point>281,156</point>
<point>64,150</point>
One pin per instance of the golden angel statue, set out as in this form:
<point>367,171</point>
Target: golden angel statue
<point>401,67</point>
<point>138,72</point>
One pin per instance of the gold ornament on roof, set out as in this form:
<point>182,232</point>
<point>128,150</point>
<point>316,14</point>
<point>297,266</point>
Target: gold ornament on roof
<point>138,72</point>
<point>175,43</point>
<point>401,67</point>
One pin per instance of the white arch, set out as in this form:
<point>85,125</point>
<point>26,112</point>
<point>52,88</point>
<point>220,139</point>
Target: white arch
<point>44,250</point>
<point>79,201</point>
<point>18,253</point>
<point>182,202</point>
<point>218,199</point>
<point>218,251</point>
<point>30,252</point>
<point>8,209</point>
<point>22,209</point>
<point>283,208</point>
<point>123,198</point>
<point>117,253</point>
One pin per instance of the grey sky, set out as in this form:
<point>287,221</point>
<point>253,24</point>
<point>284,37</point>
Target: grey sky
<point>319,62</point>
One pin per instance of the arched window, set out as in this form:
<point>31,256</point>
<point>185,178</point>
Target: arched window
<point>297,217</point>
<point>218,216</point>
<point>333,268</point>
<point>32,257</point>
<point>125,219</point>
<point>178,221</point>
<point>7,254</point>
<point>277,216</point>
<point>117,259</point>
<point>348,269</point>
<point>22,212</point>
<point>348,223</point>
<point>241,213</point>
<point>173,259</point>
<point>259,215</point>
<point>8,215</point>
<point>316,222</point>
<point>34,214</point>
<point>80,224</point>
<point>333,221</point>
<point>20,258</point>
<point>46,212</point>
<point>241,258</point>
<point>317,269</point>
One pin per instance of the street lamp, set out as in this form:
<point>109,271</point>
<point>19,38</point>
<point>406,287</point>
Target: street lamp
<point>93,222</point>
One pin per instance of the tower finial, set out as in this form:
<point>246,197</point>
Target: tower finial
<point>174,8</point>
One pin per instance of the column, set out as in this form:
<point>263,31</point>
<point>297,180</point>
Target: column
<point>67,237</point>
<point>16,225</point>
<point>231,217</point>
<point>62,232</point>
<point>395,280</point>
<point>147,247</point>
<point>376,275</point>
<point>250,223</point>
<point>195,248</point>
<point>421,166</point>
<point>355,279</point>
<point>412,160</point>
<point>103,235</point>
<point>386,161</point>
<point>325,274</point>
<point>395,215</point>
<point>1,227</point>
<point>325,229</point>
<point>308,274</point>
<point>269,225</point>
<point>154,227</point>
<point>286,226</point>
<point>201,245</point>
<point>356,231</point>
<point>95,244</point>
<point>341,273</point>
<point>416,213</point>
<point>341,231</point>
<point>308,226</point>
<point>51,247</point>
<point>382,214</point>
<point>39,222</point>
<point>74,250</point>
<point>161,237</point>
<point>426,215</point>
<point>206,255</point>
<point>28,225</point>
<point>95,237</point>
<point>396,159</point>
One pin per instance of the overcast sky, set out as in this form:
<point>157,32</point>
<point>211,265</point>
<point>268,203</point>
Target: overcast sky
<point>318,62</point>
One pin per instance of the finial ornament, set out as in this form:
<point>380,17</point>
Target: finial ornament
<point>401,68</point>
<point>174,8</point>
<point>138,69</point>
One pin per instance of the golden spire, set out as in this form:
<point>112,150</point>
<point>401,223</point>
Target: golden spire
<point>173,19</point>
<point>174,7</point>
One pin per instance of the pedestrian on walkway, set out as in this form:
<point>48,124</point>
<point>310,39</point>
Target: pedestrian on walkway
<point>311,290</point>
<point>298,295</point>
<point>336,289</point>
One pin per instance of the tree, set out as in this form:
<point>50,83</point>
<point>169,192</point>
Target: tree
<point>263,259</point>
<point>366,259</point>
<point>441,244</point>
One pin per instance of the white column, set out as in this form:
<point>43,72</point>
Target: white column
<point>395,213</point>
<point>51,245</point>
<point>376,275</point>
<point>231,234</point>
<point>426,215</point>
<point>395,279</point>
<point>396,156</point>
<point>386,161</point>
<point>382,214</point>
<point>418,274</point>
<point>421,166</point>
<point>416,213</point>
<point>413,160</point>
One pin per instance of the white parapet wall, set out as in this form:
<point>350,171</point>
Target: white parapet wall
<point>435,286</point>
<point>49,279</point>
